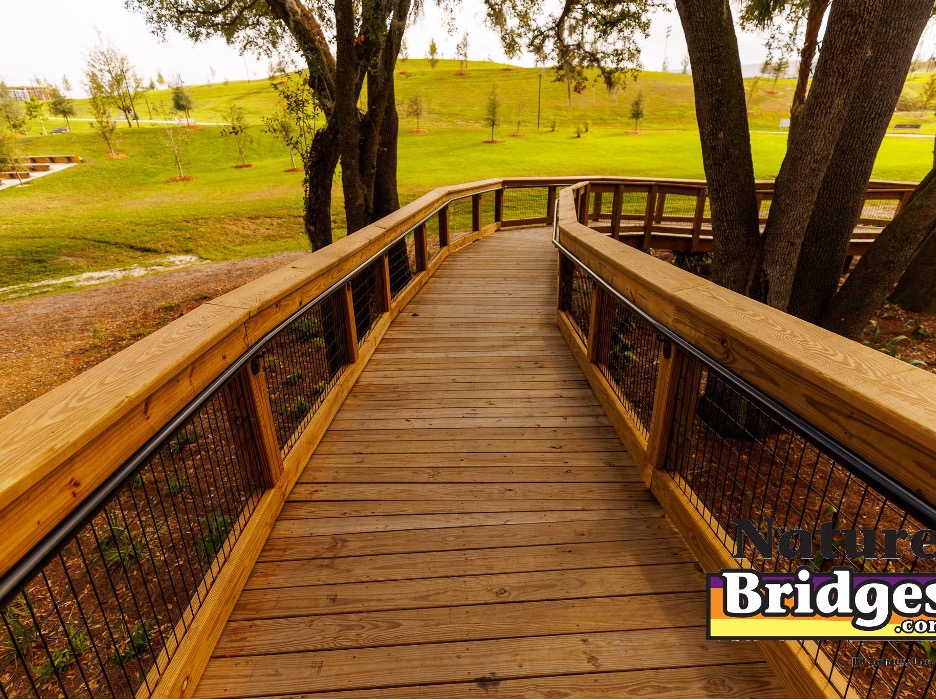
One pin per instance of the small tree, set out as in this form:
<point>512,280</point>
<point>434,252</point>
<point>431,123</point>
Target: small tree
<point>238,130</point>
<point>637,111</point>
<point>12,111</point>
<point>929,93</point>
<point>176,139</point>
<point>110,74</point>
<point>492,113</point>
<point>415,107</point>
<point>685,64</point>
<point>34,110</point>
<point>66,84</point>
<point>461,50</point>
<point>779,69</point>
<point>519,117</point>
<point>433,55</point>
<point>103,124</point>
<point>10,155</point>
<point>294,122</point>
<point>62,106</point>
<point>182,101</point>
<point>160,80</point>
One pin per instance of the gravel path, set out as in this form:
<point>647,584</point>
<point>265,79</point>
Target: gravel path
<point>52,339</point>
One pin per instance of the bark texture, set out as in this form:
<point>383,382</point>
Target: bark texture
<point>878,271</point>
<point>916,290</point>
<point>726,143</point>
<point>845,46</point>
<point>840,199</point>
<point>817,10</point>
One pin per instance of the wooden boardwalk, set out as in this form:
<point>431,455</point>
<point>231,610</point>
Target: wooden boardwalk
<point>471,525</point>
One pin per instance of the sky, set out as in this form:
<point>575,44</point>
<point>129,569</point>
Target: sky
<point>49,39</point>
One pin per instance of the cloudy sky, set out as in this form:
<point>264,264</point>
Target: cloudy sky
<point>49,38</point>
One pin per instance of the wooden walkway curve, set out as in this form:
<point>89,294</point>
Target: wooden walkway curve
<point>471,525</point>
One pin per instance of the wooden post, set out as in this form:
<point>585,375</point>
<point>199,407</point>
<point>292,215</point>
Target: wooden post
<point>648,216</point>
<point>422,248</point>
<point>476,212</point>
<point>664,406</point>
<point>594,320</point>
<point>347,309</point>
<point>617,208</point>
<point>444,227</point>
<point>386,299</point>
<point>583,205</point>
<point>903,202</point>
<point>551,203</point>
<point>247,390</point>
<point>596,211</point>
<point>499,206</point>
<point>660,206</point>
<point>697,221</point>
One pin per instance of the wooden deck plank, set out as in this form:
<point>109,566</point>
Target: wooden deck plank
<point>454,624</point>
<point>309,545</point>
<point>482,589</point>
<point>471,525</point>
<point>294,527</point>
<point>463,475</point>
<point>746,680</point>
<point>278,674</point>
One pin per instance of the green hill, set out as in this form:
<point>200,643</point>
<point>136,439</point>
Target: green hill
<point>106,213</point>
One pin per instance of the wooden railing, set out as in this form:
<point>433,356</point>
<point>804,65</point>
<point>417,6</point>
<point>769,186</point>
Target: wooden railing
<point>675,214</point>
<point>732,409</point>
<point>135,498</point>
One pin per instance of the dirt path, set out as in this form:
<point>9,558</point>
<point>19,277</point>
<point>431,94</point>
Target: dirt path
<point>48,341</point>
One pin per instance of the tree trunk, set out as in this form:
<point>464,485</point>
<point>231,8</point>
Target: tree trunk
<point>845,46</point>
<point>881,267</point>
<point>726,143</point>
<point>817,10</point>
<point>320,172</point>
<point>386,198</point>
<point>841,196</point>
<point>916,290</point>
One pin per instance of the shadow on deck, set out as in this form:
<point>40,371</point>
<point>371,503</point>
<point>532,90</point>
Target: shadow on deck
<point>471,524</point>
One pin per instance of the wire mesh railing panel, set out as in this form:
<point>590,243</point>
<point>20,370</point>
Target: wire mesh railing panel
<point>763,209</point>
<point>367,293</point>
<point>302,364</point>
<point>677,210</point>
<point>488,215</point>
<point>402,263</point>
<point>526,203</point>
<point>881,211</point>
<point>627,353</point>
<point>106,613</point>
<point>735,457</point>
<point>576,290</point>
<point>459,218</point>
<point>433,237</point>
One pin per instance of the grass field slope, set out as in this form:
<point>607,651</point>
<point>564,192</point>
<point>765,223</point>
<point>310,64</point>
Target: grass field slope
<point>106,213</point>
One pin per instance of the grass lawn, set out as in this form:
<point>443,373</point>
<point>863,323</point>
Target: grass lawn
<point>108,213</point>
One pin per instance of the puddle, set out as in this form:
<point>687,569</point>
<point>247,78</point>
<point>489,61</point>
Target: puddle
<point>86,279</point>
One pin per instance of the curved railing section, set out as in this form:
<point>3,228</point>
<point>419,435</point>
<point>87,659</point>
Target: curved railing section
<point>675,214</point>
<point>135,498</point>
<point>732,409</point>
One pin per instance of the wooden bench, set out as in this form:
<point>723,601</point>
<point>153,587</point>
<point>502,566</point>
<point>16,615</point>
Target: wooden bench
<point>52,159</point>
<point>22,175</point>
<point>907,127</point>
